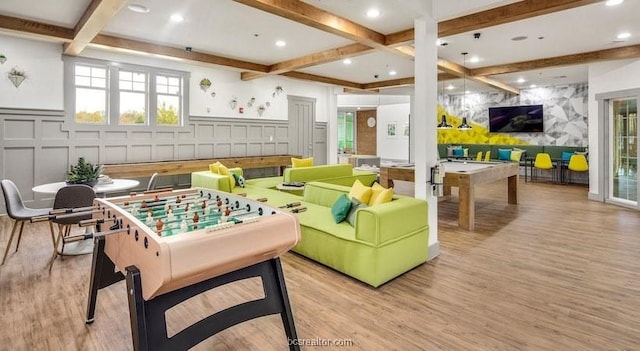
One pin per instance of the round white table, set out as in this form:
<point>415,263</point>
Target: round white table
<point>86,246</point>
<point>100,189</point>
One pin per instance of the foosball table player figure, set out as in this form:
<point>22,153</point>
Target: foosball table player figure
<point>170,246</point>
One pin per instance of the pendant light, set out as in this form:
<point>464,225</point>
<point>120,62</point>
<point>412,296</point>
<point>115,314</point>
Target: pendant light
<point>464,125</point>
<point>443,122</point>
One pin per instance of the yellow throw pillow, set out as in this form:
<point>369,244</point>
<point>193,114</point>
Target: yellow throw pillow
<point>360,192</point>
<point>301,162</point>
<point>380,194</point>
<point>516,155</point>
<point>215,167</point>
<point>225,171</point>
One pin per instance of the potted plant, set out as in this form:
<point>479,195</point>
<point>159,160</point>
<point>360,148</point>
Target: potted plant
<point>16,76</point>
<point>205,84</point>
<point>83,173</point>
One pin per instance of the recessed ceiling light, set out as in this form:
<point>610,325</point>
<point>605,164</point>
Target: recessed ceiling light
<point>138,8</point>
<point>532,86</point>
<point>613,2</point>
<point>281,43</point>
<point>624,35</point>
<point>520,37</point>
<point>176,18</point>
<point>450,87</point>
<point>373,13</point>
<point>346,61</point>
<point>521,80</point>
<point>392,73</point>
<point>474,59</point>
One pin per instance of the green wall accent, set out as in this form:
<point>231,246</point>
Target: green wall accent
<point>477,135</point>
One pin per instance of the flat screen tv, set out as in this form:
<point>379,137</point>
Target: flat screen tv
<point>516,119</point>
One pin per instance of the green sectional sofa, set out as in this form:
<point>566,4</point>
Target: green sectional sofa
<point>386,239</point>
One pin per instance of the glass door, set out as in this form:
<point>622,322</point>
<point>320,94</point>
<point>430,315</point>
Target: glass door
<point>623,184</point>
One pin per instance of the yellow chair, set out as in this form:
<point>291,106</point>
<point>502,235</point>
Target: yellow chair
<point>479,156</point>
<point>543,162</point>
<point>578,163</point>
<point>487,156</point>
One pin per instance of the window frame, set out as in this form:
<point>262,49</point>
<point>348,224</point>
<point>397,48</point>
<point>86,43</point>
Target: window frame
<point>112,113</point>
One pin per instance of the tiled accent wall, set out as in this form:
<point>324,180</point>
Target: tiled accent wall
<point>565,112</point>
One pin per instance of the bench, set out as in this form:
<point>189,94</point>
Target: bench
<point>175,167</point>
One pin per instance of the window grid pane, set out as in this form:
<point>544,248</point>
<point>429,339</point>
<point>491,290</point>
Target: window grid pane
<point>132,108</point>
<point>168,112</point>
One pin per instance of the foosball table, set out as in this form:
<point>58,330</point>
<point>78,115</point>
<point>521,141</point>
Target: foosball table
<point>176,244</point>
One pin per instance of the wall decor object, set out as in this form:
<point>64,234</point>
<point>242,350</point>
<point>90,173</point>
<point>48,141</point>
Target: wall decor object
<point>268,104</point>
<point>261,109</point>
<point>405,130</point>
<point>205,84</point>
<point>213,94</point>
<point>251,102</point>
<point>16,76</point>
<point>3,59</point>
<point>391,129</point>
<point>278,90</point>
<point>233,103</point>
<point>371,122</point>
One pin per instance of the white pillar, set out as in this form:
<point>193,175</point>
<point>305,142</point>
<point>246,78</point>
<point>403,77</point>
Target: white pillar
<point>332,125</point>
<point>424,120</point>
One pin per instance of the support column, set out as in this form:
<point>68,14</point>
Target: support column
<point>424,120</point>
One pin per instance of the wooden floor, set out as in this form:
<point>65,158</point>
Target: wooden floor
<point>556,272</point>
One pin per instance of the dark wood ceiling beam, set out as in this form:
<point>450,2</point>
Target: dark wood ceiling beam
<point>311,60</point>
<point>621,53</point>
<point>128,44</point>
<point>505,14</point>
<point>321,79</point>
<point>43,30</point>
<point>314,17</point>
<point>389,83</point>
<point>403,37</point>
<point>94,19</point>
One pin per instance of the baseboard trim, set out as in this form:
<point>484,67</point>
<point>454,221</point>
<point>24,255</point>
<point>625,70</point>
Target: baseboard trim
<point>595,197</point>
<point>434,251</point>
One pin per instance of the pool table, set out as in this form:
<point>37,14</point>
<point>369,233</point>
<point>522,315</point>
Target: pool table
<point>464,175</point>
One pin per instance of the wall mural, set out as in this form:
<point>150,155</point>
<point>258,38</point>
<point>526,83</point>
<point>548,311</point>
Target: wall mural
<point>565,116</point>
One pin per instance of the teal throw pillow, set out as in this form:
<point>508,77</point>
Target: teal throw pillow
<point>504,154</point>
<point>239,180</point>
<point>566,155</point>
<point>355,205</point>
<point>340,208</point>
<point>459,152</point>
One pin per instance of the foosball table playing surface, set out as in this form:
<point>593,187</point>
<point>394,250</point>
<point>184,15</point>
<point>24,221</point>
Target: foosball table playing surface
<point>180,239</point>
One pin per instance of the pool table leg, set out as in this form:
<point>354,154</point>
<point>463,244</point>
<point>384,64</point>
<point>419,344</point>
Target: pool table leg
<point>512,190</point>
<point>466,208</point>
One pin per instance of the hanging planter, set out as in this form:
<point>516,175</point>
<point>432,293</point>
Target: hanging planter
<point>205,84</point>
<point>16,76</point>
<point>261,110</point>
<point>251,102</point>
<point>3,59</point>
<point>233,103</point>
<point>213,94</point>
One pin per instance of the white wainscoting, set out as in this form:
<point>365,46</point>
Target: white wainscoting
<point>37,146</point>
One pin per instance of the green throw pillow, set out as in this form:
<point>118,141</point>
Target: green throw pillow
<point>355,205</point>
<point>340,208</point>
<point>239,180</point>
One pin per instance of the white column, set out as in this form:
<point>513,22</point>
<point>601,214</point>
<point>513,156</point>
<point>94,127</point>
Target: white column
<point>424,120</point>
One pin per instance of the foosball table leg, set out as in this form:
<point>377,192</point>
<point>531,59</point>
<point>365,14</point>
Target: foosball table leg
<point>148,318</point>
<point>103,274</point>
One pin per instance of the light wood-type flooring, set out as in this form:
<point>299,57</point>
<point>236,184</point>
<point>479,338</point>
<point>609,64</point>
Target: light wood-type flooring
<point>555,272</point>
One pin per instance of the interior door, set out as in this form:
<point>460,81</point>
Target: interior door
<point>302,119</point>
<point>623,148</point>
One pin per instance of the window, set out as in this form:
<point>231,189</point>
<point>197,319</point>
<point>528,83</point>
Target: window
<point>116,94</point>
<point>168,93</point>
<point>91,94</point>
<point>345,132</point>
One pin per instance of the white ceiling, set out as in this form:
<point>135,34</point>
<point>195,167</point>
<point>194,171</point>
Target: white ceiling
<point>229,29</point>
